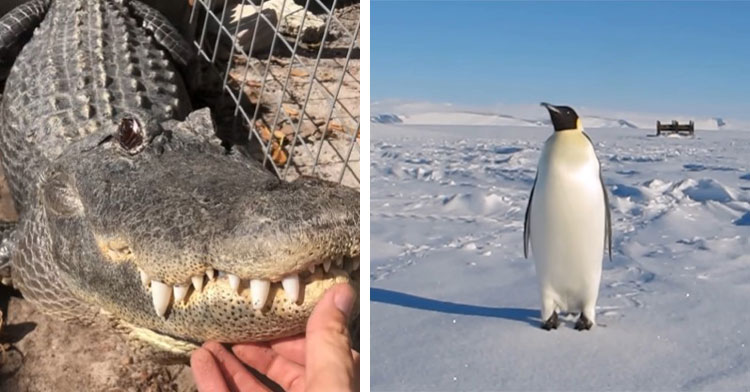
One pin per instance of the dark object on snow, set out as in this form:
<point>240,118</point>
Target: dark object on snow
<point>675,127</point>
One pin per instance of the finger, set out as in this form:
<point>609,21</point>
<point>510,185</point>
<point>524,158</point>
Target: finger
<point>328,356</point>
<point>291,348</point>
<point>355,356</point>
<point>237,376</point>
<point>208,377</point>
<point>288,374</point>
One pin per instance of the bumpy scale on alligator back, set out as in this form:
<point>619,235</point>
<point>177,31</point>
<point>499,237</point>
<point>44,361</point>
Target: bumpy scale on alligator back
<point>129,209</point>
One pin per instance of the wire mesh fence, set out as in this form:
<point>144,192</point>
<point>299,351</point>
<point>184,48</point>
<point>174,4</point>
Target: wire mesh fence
<point>292,73</point>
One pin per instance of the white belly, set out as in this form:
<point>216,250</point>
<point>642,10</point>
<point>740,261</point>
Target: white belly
<point>567,224</point>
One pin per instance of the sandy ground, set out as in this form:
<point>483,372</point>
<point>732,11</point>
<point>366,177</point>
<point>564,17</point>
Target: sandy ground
<point>44,354</point>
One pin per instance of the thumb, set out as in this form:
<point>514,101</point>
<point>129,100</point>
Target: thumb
<point>328,356</point>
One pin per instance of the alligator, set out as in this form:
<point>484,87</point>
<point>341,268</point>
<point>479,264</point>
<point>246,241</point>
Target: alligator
<point>132,214</point>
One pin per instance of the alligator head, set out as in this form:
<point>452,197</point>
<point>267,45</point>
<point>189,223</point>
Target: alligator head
<point>185,242</point>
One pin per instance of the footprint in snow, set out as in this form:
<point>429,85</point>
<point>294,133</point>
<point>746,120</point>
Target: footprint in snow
<point>507,150</point>
<point>694,167</point>
<point>627,172</point>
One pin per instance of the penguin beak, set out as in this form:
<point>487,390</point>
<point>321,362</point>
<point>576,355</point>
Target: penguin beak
<point>550,107</point>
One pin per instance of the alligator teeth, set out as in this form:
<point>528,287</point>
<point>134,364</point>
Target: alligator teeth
<point>340,262</point>
<point>326,265</point>
<point>291,287</point>
<point>161,294</point>
<point>234,282</point>
<point>197,282</point>
<point>355,264</point>
<point>144,277</point>
<point>312,269</point>
<point>210,273</point>
<point>180,291</point>
<point>259,292</point>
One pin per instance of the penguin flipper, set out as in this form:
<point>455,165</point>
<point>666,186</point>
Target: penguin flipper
<point>607,216</point>
<point>527,223</point>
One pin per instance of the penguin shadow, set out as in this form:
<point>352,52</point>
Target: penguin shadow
<point>529,316</point>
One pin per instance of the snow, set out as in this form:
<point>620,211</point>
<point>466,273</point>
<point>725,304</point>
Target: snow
<point>428,113</point>
<point>442,118</point>
<point>591,121</point>
<point>455,306</point>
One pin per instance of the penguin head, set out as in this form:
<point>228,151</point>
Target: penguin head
<point>563,117</point>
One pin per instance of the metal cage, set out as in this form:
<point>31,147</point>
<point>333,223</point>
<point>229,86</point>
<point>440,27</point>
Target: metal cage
<point>292,74</point>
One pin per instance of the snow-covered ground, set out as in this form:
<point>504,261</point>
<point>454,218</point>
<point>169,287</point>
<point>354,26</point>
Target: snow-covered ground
<point>475,118</point>
<point>528,115</point>
<point>455,304</point>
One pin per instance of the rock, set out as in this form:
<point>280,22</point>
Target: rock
<point>292,14</point>
<point>242,19</point>
<point>291,112</point>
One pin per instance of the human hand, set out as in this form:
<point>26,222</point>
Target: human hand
<point>320,360</point>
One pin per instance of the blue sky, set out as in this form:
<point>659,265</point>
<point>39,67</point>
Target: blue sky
<point>686,57</point>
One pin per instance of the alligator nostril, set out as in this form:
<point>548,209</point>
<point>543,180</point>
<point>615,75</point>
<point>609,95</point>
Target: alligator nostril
<point>116,249</point>
<point>120,246</point>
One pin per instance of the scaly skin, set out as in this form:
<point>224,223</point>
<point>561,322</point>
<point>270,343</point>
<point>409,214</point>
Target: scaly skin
<point>111,184</point>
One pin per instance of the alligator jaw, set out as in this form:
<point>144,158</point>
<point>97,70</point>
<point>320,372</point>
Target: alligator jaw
<point>174,346</point>
<point>218,311</point>
<point>315,284</point>
<point>255,291</point>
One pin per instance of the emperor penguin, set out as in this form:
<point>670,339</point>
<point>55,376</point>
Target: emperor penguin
<point>568,222</point>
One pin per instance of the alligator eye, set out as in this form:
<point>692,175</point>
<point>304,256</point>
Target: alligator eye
<point>131,135</point>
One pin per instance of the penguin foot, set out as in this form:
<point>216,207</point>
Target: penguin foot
<point>551,323</point>
<point>583,323</point>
